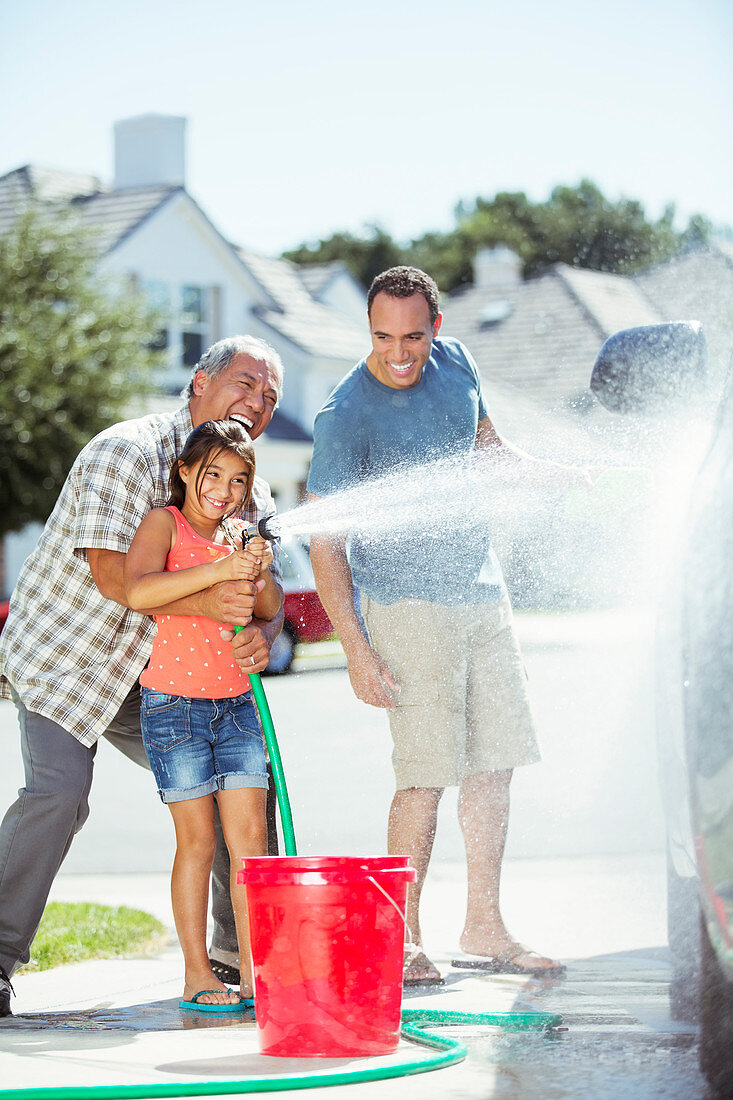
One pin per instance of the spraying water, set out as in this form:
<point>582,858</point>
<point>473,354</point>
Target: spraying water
<point>562,541</point>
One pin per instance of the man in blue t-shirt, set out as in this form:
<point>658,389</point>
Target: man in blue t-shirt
<point>441,655</point>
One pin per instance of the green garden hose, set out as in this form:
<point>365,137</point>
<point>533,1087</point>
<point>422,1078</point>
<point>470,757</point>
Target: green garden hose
<point>278,775</point>
<point>447,1051</point>
<point>412,1020</point>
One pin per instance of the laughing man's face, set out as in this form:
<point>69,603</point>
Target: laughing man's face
<point>247,391</point>
<point>402,336</point>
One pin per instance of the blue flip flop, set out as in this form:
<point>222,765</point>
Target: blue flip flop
<point>194,1006</point>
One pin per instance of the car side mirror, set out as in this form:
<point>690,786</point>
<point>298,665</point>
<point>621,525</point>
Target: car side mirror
<point>651,369</point>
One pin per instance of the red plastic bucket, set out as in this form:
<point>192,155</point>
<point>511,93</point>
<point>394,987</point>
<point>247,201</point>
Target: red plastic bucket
<point>327,936</point>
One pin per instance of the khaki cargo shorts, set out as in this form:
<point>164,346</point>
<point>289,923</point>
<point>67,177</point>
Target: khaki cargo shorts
<point>463,707</point>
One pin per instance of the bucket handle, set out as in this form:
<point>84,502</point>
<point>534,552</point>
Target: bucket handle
<point>394,905</point>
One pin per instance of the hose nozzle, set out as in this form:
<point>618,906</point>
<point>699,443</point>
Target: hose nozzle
<point>267,528</point>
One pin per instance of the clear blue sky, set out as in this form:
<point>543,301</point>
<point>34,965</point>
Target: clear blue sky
<point>308,116</point>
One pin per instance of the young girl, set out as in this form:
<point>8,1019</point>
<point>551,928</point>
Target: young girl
<point>199,724</point>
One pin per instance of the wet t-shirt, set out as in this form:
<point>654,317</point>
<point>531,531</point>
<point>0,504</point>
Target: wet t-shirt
<point>407,446</point>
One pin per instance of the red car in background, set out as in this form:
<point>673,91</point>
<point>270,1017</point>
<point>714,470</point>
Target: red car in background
<point>305,617</point>
<point>4,605</point>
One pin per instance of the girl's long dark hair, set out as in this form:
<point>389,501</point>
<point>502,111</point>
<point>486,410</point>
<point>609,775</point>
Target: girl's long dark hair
<point>204,445</point>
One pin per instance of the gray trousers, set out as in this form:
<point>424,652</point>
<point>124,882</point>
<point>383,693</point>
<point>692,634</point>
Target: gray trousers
<point>37,831</point>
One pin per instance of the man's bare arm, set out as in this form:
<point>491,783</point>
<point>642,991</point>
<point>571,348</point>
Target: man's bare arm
<point>488,439</point>
<point>491,443</point>
<point>107,567</point>
<point>227,602</point>
<point>370,677</point>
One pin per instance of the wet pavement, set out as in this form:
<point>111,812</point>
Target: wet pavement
<point>618,1042</point>
<point>584,881</point>
<point>116,1022</point>
<point>595,792</point>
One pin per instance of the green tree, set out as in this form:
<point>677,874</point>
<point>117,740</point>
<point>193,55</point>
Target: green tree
<point>73,352</point>
<point>578,226</point>
<point>364,256</point>
<point>697,234</point>
<point>448,257</point>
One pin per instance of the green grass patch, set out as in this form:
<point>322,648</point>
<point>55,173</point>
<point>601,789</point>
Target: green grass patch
<point>70,932</point>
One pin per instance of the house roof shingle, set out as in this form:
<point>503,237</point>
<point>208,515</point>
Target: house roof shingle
<point>316,277</point>
<point>114,215</point>
<point>111,214</point>
<point>49,184</point>
<point>541,337</point>
<point>302,320</point>
<point>698,287</point>
<point>612,301</point>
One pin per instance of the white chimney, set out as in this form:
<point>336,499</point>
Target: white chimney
<point>496,268</point>
<point>150,151</point>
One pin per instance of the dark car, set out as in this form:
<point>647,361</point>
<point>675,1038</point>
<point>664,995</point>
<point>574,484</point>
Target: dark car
<point>637,370</point>
<point>305,617</point>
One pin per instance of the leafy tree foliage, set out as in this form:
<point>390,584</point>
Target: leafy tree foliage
<point>448,257</point>
<point>365,256</point>
<point>72,355</point>
<point>576,225</point>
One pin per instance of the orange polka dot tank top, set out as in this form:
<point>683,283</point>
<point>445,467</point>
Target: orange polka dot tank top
<point>189,658</point>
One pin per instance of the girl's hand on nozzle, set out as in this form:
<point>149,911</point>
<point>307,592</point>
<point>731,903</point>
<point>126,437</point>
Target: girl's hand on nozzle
<point>239,566</point>
<point>261,550</point>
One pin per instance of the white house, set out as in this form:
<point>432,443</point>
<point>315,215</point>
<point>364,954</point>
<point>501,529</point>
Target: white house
<point>152,233</point>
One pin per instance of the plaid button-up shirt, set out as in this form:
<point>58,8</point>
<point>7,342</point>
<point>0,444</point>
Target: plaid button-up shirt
<point>69,653</point>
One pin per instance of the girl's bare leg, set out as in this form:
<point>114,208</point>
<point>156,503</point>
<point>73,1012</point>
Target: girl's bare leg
<point>244,823</point>
<point>195,842</point>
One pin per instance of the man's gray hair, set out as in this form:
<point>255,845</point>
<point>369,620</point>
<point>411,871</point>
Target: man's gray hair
<point>220,355</point>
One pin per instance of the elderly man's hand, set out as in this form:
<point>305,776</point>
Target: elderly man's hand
<point>231,601</point>
<point>371,678</point>
<point>251,651</point>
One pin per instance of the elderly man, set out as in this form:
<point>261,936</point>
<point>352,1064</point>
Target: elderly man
<point>441,655</point>
<point>71,651</point>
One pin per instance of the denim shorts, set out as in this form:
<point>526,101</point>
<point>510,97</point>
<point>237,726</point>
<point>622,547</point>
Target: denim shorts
<point>199,746</point>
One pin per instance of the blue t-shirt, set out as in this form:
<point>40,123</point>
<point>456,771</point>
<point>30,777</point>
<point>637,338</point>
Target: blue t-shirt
<point>367,431</point>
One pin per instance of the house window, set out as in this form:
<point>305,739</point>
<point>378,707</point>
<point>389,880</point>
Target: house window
<point>188,319</point>
<point>193,324</point>
<point>159,299</point>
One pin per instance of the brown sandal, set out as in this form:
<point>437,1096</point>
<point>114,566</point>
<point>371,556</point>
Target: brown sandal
<point>503,962</point>
<point>416,958</point>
